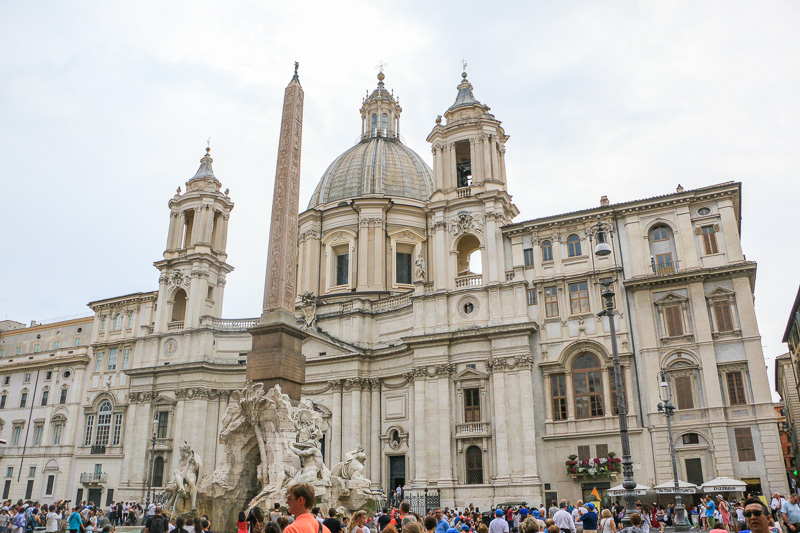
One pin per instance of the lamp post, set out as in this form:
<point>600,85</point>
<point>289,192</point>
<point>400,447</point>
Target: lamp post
<point>150,470</point>
<point>668,410</point>
<point>603,233</point>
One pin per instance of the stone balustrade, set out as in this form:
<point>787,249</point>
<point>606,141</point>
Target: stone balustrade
<point>233,324</point>
<point>471,280</point>
<point>472,429</point>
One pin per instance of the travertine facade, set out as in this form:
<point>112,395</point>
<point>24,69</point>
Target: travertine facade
<point>461,349</point>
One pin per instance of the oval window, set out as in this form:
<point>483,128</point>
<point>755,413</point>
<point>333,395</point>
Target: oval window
<point>67,374</point>
<point>703,211</point>
<point>468,308</point>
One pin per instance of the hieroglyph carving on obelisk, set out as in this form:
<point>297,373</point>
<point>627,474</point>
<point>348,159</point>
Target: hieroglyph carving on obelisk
<point>280,287</point>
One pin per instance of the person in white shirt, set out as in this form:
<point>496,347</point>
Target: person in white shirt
<point>51,524</point>
<point>577,512</point>
<point>499,524</point>
<point>563,520</point>
<point>776,504</point>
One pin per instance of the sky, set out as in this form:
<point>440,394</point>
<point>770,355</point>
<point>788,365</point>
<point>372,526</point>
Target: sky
<point>106,108</point>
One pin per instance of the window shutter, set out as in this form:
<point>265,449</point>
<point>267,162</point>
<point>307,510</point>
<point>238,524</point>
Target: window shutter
<point>683,392</point>
<point>583,453</point>
<point>673,319</point>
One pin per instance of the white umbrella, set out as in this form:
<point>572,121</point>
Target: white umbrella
<point>684,487</point>
<point>724,484</point>
<point>619,490</point>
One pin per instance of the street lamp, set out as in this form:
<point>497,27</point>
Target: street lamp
<point>151,469</point>
<point>603,232</point>
<point>668,410</point>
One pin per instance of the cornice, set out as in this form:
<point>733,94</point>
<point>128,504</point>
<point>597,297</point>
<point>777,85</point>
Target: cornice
<point>52,325</point>
<point>747,268</point>
<point>10,364</point>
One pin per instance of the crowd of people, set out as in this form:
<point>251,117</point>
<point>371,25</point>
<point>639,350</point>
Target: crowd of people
<point>29,516</point>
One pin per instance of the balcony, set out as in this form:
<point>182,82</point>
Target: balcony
<point>472,429</point>
<point>663,265</point>
<point>98,450</point>
<point>464,192</point>
<point>93,478</point>
<point>175,326</point>
<point>469,280</point>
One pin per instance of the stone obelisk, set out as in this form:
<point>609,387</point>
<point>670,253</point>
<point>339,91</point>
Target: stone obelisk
<point>277,357</point>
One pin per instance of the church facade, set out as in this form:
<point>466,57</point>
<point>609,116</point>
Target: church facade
<point>462,349</point>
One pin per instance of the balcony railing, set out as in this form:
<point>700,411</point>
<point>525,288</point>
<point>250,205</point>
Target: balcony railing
<point>175,326</point>
<point>470,280</point>
<point>98,450</point>
<point>662,267</point>
<point>233,324</point>
<point>464,192</point>
<point>472,429</point>
<point>93,478</point>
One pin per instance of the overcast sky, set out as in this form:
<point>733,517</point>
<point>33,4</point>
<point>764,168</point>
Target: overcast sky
<point>105,108</point>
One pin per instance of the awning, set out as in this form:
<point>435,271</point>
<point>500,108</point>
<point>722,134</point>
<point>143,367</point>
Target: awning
<point>619,490</point>
<point>684,487</point>
<point>724,484</point>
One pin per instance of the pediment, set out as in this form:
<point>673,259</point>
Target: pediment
<point>470,373</point>
<point>165,400</point>
<point>671,298</point>
<point>719,291</point>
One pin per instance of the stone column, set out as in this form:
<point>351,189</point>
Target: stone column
<point>224,232</point>
<point>500,426</point>
<point>375,432</point>
<point>446,421</point>
<point>730,231</point>
<point>491,254</point>
<point>503,164</point>
<point>487,157</point>
<point>173,231</point>
<point>494,147</point>
<point>336,424</point>
<point>452,178</point>
<point>411,468</point>
<point>530,472</point>
<point>355,414</point>
<point>478,175</point>
<point>440,246</point>
<point>420,432</point>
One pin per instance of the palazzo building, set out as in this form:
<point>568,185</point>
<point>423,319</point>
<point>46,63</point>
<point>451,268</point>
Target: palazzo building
<point>461,348</point>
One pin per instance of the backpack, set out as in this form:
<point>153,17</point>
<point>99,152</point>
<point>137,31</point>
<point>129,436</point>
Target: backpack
<point>159,524</point>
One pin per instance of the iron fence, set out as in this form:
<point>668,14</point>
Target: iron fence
<point>420,500</point>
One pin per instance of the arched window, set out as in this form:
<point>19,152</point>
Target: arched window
<point>662,250</point>
<point>179,306</point>
<point>469,256</point>
<point>587,386</point>
<point>103,323</point>
<point>384,122</point>
<point>130,319</point>
<point>374,123</point>
<point>103,424</point>
<point>117,325</point>
<point>158,471</point>
<point>547,251</point>
<point>660,233</point>
<point>573,245</point>
<point>474,463</point>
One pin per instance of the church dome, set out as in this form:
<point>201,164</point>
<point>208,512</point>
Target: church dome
<point>376,165</point>
<point>380,163</point>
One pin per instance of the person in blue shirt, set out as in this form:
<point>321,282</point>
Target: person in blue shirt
<point>75,519</point>
<point>710,508</point>
<point>589,519</point>
<point>791,513</point>
<point>441,524</point>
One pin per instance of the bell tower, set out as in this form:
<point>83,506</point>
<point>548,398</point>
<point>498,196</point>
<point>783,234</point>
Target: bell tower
<point>193,271</point>
<point>470,201</point>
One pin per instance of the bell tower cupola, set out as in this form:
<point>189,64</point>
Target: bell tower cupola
<point>468,148</point>
<point>193,271</point>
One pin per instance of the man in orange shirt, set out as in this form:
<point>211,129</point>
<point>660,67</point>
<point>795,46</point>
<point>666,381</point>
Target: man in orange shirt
<point>300,498</point>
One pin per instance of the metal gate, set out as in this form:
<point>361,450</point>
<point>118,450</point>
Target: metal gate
<point>421,500</point>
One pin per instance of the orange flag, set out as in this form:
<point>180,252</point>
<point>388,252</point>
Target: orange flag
<point>595,493</point>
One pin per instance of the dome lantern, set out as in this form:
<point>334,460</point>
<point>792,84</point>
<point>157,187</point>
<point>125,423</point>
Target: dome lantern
<point>380,113</point>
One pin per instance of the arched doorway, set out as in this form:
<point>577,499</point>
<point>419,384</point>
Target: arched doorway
<point>179,306</point>
<point>469,256</point>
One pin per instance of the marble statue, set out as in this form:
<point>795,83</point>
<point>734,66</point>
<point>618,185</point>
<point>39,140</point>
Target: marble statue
<point>352,467</point>
<point>184,478</point>
<point>419,273</point>
<point>312,463</point>
<point>308,303</point>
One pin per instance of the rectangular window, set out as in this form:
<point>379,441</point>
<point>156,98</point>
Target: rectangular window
<point>163,422</point>
<point>3,401</point>
<point>15,435</point>
<point>9,471</point>
<point>63,398</point>
<point>32,471</point>
<point>17,350</point>
<point>403,263</point>
<point>56,345</point>
<point>112,359</point>
<point>36,348</point>
<point>601,450</point>
<point>29,490</point>
<point>87,440</point>
<point>6,488</point>
<point>690,438</point>
<point>37,435</point>
<point>126,357</point>
<point>550,302</point>
<point>709,239</point>
<point>674,321</point>
<point>45,394</point>
<point>117,429</point>
<point>48,375</point>
<point>472,405</point>
<point>528,255</point>
<point>57,435</point>
<point>23,399</point>
<point>558,389</point>
<point>27,378</point>
<point>722,315</point>
<point>98,363</point>
<point>6,380</point>
<point>547,251</point>
<point>51,480</point>
<point>735,388</point>
<point>342,268</point>
<point>744,444</point>
<point>109,497</point>
<point>579,298</point>
<point>584,452</point>
<point>130,315</point>
<point>683,392</point>
<point>78,341</point>
<point>103,324</point>
<point>664,265</point>
<point>2,352</point>
<point>531,296</point>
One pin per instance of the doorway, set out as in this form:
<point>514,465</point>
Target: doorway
<point>94,496</point>
<point>397,472</point>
